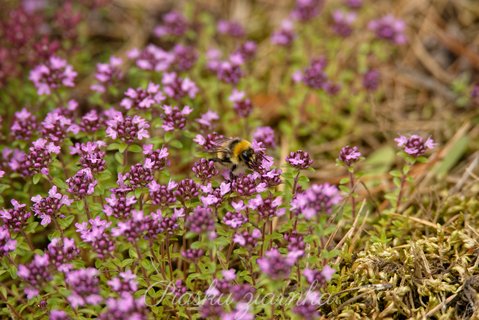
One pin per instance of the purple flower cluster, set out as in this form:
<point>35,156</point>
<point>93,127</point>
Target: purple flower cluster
<point>319,277</point>
<point>247,238</point>
<point>204,169</point>
<point>246,51</point>
<point>107,74</point>
<point>82,184</point>
<point>40,156</point>
<point>151,58</point>
<point>174,118</point>
<point>61,251</point>
<point>156,159</point>
<point>49,207</point>
<point>91,122</point>
<point>371,80</point>
<point>133,228</point>
<point>230,71</point>
<point>125,282</point>
<point>342,22</point>
<point>92,155</point>
<point>389,28</point>
<point>15,218</point>
<point>241,104</point>
<point>127,128</point>
<point>24,125</point>
<point>56,124</point>
<point>265,136</point>
<point>285,35</point>
<point>201,220</point>
<point>317,199</point>
<point>7,244</point>
<point>187,189</point>
<point>230,28</point>
<point>140,175</point>
<point>141,99</point>
<point>52,75</point>
<point>84,284</point>
<point>299,159</point>
<point>96,233</point>
<point>415,145</point>
<point>277,266</point>
<point>35,274</point>
<point>125,307</point>
<point>177,88</point>
<point>174,24</point>
<point>185,57</point>
<point>306,10</point>
<point>349,155</point>
<point>119,205</point>
<point>162,195</point>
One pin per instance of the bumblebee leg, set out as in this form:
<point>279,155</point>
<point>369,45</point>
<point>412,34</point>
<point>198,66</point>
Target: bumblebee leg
<point>232,176</point>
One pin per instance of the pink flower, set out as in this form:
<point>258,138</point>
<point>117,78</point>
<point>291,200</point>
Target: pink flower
<point>415,145</point>
<point>142,99</point>
<point>52,75</point>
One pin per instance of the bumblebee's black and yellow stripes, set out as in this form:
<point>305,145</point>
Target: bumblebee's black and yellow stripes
<point>235,151</point>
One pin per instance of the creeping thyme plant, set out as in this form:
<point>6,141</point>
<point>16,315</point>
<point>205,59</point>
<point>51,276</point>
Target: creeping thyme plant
<point>112,204</point>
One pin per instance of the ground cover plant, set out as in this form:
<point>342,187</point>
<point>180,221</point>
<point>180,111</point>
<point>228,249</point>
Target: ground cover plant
<point>355,196</point>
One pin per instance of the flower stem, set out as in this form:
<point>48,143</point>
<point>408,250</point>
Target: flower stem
<point>125,156</point>
<point>271,233</point>
<point>11,308</point>
<point>295,183</point>
<point>353,199</point>
<point>230,250</point>
<point>57,225</point>
<point>140,259</point>
<point>87,208</point>
<point>263,232</point>
<point>29,240</point>
<point>155,257</point>
<point>169,257</point>
<point>401,190</point>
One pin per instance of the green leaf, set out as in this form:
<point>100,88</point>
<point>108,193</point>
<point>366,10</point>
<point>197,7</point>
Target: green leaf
<point>36,178</point>
<point>31,227</point>
<point>80,205</point>
<point>344,180</point>
<point>60,183</point>
<point>396,173</point>
<point>135,148</point>
<point>176,144</point>
<point>113,146</point>
<point>119,158</point>
<point>65,223</point>
<point>132,253</point>
<point>122,147</point>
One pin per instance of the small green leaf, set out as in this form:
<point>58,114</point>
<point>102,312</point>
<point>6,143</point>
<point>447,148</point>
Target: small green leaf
<point>396,173</point>
<point>176,144</point>
<point>36,178</point>
<point>113,146</point>
<point>65,223</point>
<point>122,147</point>
<point>344,180</point>
<point>60,183</point>
<point>135,148</point>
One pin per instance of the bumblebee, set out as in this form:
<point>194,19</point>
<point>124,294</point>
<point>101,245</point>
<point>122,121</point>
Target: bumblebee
<point>235,151</point>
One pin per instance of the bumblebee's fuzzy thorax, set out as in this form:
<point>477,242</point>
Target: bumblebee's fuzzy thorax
<point>240,149</point>
<point>237,152</point>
